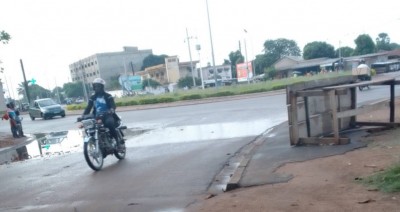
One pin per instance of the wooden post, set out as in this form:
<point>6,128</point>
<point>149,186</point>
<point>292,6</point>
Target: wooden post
<point>353,93</point>
<point>392,101</point>
<point>293,117</point>
<point>333,106</point>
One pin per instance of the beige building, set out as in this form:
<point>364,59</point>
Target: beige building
<point>170,72</point>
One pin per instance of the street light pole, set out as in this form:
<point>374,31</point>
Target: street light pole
<point>25,82</point>
<point>201,71</point>
<point>212,47</point>
<point>190,55</point>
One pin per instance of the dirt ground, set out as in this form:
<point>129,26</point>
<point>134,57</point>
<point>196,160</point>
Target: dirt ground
<point>325,184</point>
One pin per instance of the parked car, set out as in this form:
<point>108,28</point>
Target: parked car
<point>45,108</point>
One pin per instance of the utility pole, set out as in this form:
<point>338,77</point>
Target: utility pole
<point>212,47</point>
<point>25,82</point>
<point>198,47</point>
<point>190,55</point>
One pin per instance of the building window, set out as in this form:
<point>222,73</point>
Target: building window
<point>219,70</point>
<point>211,71</point>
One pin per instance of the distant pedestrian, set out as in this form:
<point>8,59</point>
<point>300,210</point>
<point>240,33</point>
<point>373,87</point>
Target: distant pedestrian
<point>18,120</point>
<point>11,115</point>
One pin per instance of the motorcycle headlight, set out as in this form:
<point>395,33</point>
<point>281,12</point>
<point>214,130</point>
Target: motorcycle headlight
<point>87,124</point>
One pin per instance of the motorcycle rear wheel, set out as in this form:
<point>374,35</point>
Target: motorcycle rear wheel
<point>93,156</point>
<point>120,152</point>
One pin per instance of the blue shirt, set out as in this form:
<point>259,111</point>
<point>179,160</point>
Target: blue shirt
<point>101,105</point>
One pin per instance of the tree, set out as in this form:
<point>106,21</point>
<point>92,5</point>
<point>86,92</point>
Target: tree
<point>235,58</point>
<point>318,49</point>
<point>344,51</point>
<point>383,42</point>
<point>394,46</point>
<point>152,83</point>
<point>263,61</point>
<point>273,51</point>
<point>153,60</point>
<point>281,47</point>
<point>73,89</point>
<point>4,37</point>
<point>113,83</point>
<point>188,82</point>
<point>270,73</point>
<point>364,45</point>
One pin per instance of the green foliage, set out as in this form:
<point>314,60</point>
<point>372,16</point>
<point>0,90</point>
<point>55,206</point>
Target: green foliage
<point>364,45</point>
<point>235,58</point>
<point>373,72</point>
<point>281,47</point>
<point>270,73</point>
<point>166,99</point>
<point>344,52</point>
<point>273,51</point>
<point>153,60</point>
<point>318,49</point>
<point>4,37</point>
<point>387,181</point>
<point>73,89</point>
<point>150,82</point>
<point>76,106</point>
<point>192,96</point>
<point>188,82</point>
<point>113,83</point>
<point>148,101</point>
<point>221,93</point>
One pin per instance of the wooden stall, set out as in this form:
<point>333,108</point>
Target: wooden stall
<point>319,110</point>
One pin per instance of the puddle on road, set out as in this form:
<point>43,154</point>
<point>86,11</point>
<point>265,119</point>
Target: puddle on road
<point>202,132</point>
<point>65,142</point>
<point>53,144</point>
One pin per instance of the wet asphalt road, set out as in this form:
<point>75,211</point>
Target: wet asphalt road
<point>167,168</point>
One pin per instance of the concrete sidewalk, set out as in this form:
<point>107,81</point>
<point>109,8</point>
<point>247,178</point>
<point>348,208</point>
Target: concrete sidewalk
<point>272,149</point>
<point>9,146</point>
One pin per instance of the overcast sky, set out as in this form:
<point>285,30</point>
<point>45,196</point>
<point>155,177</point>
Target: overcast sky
<point>48,35</point>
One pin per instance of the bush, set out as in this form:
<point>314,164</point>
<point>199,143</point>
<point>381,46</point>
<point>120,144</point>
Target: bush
<point>221,93</point>
<point>192,96</point>
<point>148,101</point>
<point>166,99</point>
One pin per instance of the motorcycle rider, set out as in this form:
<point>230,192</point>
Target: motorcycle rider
<point>103,103</point>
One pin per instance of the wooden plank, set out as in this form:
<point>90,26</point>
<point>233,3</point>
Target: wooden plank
<point>392,105</point>
<point>333,106</point>
<point>362,109</point>
<point>353,85</point>
<point>294,133</point>
<point>323,141</point>
<point>384,124</point>
<point>308,93</point>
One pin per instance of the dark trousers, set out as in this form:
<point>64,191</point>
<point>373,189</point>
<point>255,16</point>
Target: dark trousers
<point>109,122</point>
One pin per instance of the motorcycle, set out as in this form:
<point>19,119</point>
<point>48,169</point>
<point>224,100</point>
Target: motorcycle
<point>98,142</point>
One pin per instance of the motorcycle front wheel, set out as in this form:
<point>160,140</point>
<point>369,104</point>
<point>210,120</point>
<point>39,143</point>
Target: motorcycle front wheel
<point>93,156</point>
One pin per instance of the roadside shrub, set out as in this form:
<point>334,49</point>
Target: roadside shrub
<point>221,93</point>
<point>148,101</point>
<point>166,99</point>
<point>278,87</point>
<point>192,96</point>
<point>133,102</point>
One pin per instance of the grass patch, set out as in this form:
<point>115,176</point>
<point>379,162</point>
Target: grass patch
<point>386,181</point>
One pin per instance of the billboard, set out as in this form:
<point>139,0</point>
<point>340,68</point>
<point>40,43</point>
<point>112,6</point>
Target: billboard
<point>242,70</point>
<point>130,83</point>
